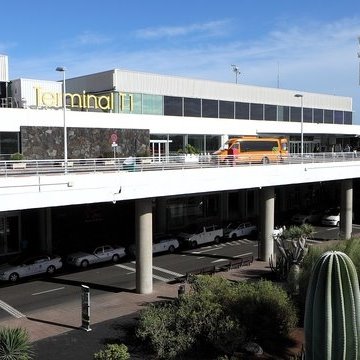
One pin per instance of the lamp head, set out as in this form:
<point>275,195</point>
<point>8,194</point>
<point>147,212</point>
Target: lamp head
<point>61,68</point>
<point>298,95</point>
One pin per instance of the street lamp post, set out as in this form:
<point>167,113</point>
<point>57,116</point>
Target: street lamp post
<point>236,71</point>
<point>302,124</point>
<point>63,70</point>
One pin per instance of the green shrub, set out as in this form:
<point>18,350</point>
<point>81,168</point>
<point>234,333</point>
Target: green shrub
<point>113,352</point>
<point>15,344</point>
<point>167,335</point>
<point>16,156</point>
<point>265,310</point>
<point>217,315</point>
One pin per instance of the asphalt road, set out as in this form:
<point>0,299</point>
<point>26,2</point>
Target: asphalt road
<point>37,293</point>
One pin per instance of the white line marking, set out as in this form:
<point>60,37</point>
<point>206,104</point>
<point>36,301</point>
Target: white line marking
<point>134,270</point>
<point>160,278</point>
<point>167,271</point>
<point>11,310</point>
<point>125,267</point>
<point>236,256</point>
<point>48,291</point>
<point>215,261</point>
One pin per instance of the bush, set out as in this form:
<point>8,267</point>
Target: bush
<point>265,310</point>
<point>165,333</point>
<point>16,156</point>
<point>15,344</point>
<point>216,315</point>
<point>113,352</point>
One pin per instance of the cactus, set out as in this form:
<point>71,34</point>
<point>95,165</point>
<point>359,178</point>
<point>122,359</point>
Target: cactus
<point>292,248</point>
<point>332,317</point>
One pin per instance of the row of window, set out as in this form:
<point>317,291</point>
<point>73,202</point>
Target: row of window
<point>207,108</point>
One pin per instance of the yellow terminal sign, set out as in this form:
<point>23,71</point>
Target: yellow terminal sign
<point>82,101</point>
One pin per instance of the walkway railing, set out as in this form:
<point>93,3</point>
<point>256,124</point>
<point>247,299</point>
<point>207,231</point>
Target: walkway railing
<point>177,162</point>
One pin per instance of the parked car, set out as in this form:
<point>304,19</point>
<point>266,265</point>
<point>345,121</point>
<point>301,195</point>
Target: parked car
<point>98,255</point>
<point>161,243</point>
<point>208,234</point>
<point>307,217</point>
<point>24,266</point>
<point>239,229</point>
<point>331,217</point>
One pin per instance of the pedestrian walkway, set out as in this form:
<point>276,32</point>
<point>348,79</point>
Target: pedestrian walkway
<point>56,334</point>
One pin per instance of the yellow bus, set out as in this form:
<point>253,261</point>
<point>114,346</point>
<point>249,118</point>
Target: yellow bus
<point>253,149</point>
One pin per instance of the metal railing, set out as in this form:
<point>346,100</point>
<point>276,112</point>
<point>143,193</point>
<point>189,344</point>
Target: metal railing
<point>177,162</point>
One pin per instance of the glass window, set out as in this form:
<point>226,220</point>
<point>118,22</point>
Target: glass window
<point>242,110</point>
<point>212,143</point>
<point>283,113</point>
<point>338,117</point>
<point>270,112</point>
<point>192,107</point>
<point>318,116</point>
<point>152,104</point>
<point>173,106</point>
<point>197,141</point>
<point>295,114</point>
<point>137,104</point>
<point>130,103</point>
<point>226,109</point>
<point>9,144</point>
<point>308,115</point>
<point>210,108</point>
<point>347,117</point>
<point>328,116</point>
<point>257,111</point>
<point>177,143</point>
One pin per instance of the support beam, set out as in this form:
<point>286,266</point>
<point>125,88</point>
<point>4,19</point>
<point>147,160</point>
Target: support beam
<point>346,209</point>
<point>143,234</point>
<point>267,202</point>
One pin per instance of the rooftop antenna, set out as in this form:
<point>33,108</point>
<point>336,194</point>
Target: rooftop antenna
<point>236,70</point>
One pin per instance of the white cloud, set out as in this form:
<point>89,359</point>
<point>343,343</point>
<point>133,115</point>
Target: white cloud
<point>210,28</point>
<point>88,38</point>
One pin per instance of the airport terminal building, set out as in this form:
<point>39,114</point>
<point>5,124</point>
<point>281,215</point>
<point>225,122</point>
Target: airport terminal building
<point>157,115</point>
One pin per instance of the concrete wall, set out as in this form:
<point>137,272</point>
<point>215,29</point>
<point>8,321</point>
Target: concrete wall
<point>48,143</point>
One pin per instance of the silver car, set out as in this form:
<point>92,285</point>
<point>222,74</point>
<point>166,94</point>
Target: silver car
<point>98,255</point>
<point>24,266</point>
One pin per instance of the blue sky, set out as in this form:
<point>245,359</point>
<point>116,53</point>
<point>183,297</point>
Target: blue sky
<point>301,45</point>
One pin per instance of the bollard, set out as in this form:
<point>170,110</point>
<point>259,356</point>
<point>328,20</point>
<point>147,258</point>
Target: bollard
<point>85,308</point>
<point>181,290</point>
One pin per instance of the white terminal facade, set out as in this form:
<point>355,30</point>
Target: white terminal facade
<point>159,114</point>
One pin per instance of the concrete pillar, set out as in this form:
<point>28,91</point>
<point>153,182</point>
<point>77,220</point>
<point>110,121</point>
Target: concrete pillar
<point>45,230</point>
<point>267,202</point>
<point>346,208</point>
<point>143,235</point>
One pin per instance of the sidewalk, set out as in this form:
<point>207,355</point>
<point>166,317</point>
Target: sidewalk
<point>55,331</point>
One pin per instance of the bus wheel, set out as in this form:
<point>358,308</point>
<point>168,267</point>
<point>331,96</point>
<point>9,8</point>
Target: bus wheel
<point>265,160</point>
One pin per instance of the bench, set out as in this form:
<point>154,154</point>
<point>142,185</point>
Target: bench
<point>208,270</point>
<point>239,262</point>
